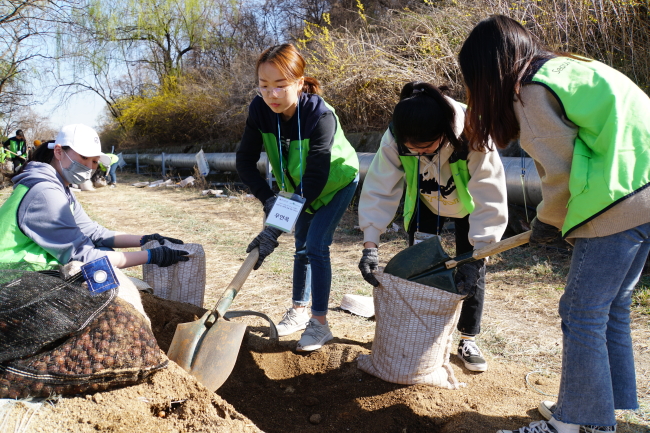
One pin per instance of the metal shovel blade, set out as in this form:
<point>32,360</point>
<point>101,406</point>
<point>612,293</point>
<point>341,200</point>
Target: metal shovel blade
<point>207,348</point>
<point>417,259</point>
<point>427,263</point>
<point>219,350</point>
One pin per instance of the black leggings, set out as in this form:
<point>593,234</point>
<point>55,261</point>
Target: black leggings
<point>472,310</point>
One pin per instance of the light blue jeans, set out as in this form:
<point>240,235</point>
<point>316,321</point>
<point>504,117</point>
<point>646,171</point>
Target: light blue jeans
<point>312,270</point>
<point>110,176</point>
<point>597,358</point>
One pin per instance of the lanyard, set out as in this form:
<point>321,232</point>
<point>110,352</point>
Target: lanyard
<point>299,149</point>
<point>417,218</point>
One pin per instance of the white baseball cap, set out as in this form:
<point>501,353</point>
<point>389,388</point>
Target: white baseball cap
<point>83,140</point>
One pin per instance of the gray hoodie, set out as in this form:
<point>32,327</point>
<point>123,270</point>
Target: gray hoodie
<point>51,216</point>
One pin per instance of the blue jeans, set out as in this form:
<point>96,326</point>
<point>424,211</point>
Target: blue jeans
<point>597,358</point>
<point>111,174</point>
<point>312,270</point>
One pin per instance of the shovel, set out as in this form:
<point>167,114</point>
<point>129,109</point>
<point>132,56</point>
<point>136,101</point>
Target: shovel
<point>207,348</point>
<point>427,263</point>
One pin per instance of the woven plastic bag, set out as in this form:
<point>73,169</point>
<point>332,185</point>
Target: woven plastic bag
<point>108,345</point>
<point>413,333</point>
<point>183,281</point>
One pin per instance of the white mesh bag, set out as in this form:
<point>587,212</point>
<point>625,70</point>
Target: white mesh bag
<point>183,281</point>
<point>413,333</point>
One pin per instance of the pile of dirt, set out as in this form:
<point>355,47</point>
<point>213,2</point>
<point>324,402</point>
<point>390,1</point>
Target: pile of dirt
<point>168,401</point>
<point>324,391</point>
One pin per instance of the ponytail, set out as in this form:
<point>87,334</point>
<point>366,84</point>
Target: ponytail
<point>423,115</point>
<point>42,154</point>
<point>312,86</point>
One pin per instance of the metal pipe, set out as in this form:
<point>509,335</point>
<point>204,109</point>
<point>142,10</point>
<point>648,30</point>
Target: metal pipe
<point>530,193</point>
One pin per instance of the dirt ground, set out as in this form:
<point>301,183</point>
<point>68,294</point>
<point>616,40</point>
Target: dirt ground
<point>275,389</point>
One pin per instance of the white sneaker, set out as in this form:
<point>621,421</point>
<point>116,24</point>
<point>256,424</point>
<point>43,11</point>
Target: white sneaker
<point>546,408</point>
<point>292,321</point>
<point>314,336</point>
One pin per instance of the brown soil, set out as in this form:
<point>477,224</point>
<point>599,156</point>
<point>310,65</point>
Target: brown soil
<point>275,389</point>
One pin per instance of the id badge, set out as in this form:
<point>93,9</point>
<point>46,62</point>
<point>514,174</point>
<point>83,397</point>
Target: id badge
<point>99,275</point>
<point>421,236</point>
<point>285,211</point>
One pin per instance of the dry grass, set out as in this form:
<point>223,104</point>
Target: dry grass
<point>520,323</point>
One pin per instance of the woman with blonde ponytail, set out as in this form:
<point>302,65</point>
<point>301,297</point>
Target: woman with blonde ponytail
<point>310,158</point>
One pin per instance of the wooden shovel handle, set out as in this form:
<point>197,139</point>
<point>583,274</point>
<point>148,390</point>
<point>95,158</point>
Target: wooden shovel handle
<point>495,248</point>
<point>504,245</point>
<point>236,283</point>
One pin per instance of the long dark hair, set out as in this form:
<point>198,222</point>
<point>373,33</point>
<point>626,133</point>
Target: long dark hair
<point>42,154</point>
<point>424,115</point>
<point>291,63</point>
<point>494,59</point>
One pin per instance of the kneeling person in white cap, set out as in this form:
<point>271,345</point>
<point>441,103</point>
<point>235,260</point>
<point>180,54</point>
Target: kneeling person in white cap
<point>43,224</point>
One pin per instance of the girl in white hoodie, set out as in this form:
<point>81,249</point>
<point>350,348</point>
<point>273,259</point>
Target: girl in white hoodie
<point>419,152</point>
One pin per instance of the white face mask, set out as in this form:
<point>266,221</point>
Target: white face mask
<point>77,173</point>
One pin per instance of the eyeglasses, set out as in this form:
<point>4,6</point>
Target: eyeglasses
<point>276,92</point>
<point>403,150</point>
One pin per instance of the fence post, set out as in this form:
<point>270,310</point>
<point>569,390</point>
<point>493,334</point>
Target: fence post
<point>137,164</point>
<point>163,164</point>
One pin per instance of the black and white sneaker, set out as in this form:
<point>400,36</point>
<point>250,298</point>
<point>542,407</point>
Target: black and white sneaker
<point>471,355</point>
<point>546,408</point>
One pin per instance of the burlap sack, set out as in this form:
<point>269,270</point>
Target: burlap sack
<point>413,333</point>
<point>184,281</point>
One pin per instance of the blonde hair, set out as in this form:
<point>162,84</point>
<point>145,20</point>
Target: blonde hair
<point>291,64</point>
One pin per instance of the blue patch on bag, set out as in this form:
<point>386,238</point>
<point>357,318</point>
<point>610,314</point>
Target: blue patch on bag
<point>99,275</point>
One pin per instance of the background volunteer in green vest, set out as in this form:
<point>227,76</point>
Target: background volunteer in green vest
<point>43,224</point>
<point>111,169</point>
<point>425,151</point>
<point>18,148</point>
<point>311,157</point>
<point>586,126</point>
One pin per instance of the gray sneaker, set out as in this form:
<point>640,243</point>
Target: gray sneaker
<point>292,321</point>
<point>314,336</point>
<point>547,408</point>
<point>471,355</point>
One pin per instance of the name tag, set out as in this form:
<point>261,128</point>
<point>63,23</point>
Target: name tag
<point>285,211</point>
<point>421,236</point>
<point>99,275</point>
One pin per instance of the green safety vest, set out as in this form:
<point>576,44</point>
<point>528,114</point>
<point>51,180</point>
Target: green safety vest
<point>344,164</point>
<point>14,146</point>
<point>458,171</point>
<point>114,159</point>
<point>16,248</point>
<point>611,156</point>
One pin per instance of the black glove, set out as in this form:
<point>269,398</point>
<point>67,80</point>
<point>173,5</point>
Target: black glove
<point>266,241</point>
<point>368,263</point>
<point>165,256</point>
<point>156,237</point>
<point>268,205</point>
<point>543,233</point>
<point>467,276</point>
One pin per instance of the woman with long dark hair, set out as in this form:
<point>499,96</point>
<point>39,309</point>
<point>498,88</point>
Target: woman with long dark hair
<point>44,226</point>
<point>586,126</point>
<point>425,152</point>
<point>311,159</point>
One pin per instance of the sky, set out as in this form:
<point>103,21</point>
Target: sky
<point>82,108</point>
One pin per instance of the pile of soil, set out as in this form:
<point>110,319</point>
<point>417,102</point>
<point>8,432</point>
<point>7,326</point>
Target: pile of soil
<point>168,401</point>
